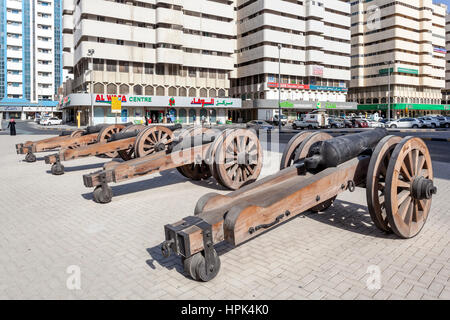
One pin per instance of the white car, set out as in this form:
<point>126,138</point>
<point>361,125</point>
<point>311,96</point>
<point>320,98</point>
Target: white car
<point>404,123</point>
<point>430,122</point>
<point>51,121</point>
<point>375,124</point>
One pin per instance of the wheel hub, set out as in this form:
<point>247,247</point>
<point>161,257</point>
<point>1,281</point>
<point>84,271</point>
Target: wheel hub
<point>160,147</point>
<point>423,188</point>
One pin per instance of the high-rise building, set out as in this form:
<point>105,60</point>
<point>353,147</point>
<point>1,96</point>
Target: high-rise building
<point>401,45</point>
<point>314,56</point>
<point>446,91</point>
<point>149,52</point>
<point>30,57</point>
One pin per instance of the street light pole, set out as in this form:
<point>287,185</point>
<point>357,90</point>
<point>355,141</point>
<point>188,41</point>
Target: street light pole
<point>389,89</point>
<point>91,55</point>
<point>279,87</point>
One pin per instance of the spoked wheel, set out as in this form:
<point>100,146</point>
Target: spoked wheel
<point>409,187</point>
<point>129,154</point>
<point>195,267</point>
<point>77,133</point>
<point>195,171</point>
<point>238,159</point>
<point>289,152</point>
<point>153,140</point>
<point>303,150</point>
<point>376,181</point>
<point>106,133</point>
<point>211,154</point>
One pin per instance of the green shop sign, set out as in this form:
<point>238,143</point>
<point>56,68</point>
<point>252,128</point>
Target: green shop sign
<point>403,106</point>
<point>286,104</point>
<point>400,70</point>
<point>140,99</point>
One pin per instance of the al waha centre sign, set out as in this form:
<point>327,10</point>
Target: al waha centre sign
<point>152,101</point>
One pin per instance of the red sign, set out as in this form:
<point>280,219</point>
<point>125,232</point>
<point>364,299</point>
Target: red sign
<point>288,85</point>
<point>203,102</point>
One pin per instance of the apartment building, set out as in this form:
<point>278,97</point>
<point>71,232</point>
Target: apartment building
<point>30,57</point>
<point>159,57</point>
<point>446,91</point>
<point>401,43</point>
<point>307,42</point>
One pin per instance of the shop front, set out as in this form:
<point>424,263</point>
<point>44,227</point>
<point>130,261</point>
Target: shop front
<point>293,110</point>
<point>401,110</point>
<point>153,109</point>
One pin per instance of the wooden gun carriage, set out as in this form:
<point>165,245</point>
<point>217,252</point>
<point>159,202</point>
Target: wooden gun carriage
<point>72,140</point>
<point>132,142</point>
<point>397,174</point>
<point>197,153</point>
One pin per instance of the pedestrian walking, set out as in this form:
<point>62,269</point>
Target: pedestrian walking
<point>12,127</point>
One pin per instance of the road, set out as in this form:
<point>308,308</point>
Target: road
<point>440,151</point>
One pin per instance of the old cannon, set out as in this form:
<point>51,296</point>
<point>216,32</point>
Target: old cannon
<point>132,142</point>
<point>315,168</point>
<point>67,139</point>
<point>197,153</point>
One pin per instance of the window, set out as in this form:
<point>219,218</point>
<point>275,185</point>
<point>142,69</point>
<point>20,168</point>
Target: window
<point>160,69</point>
<point>137,90</point>
<point>192,72</point>
<point>192,92</point>
<point>149,91</point>
<point>137,68</point>
<point>148,68</point>
<point>124,89</point>
<point>111,88</point>
<point>172,91</point>
<point>124,66</point>
<point>99,65</point>
<point>99,88</point>
<point>212,93</point>
<point>160,91</point>
<point>203,73</point>
<point>203,92</point>
<point>111,65</point>
<point>182,92</point>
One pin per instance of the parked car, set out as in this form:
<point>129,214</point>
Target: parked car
<point>284,120</point>
<point>430,122</point>
<point>404,123</point>
<point>359,122</point>
<point>348,123</point>
<point>50,121</point>
<point>302,124</point>
<point>259,125</point>
<point>335,123</point>
<point>444,121</point>
<point>375,124</point>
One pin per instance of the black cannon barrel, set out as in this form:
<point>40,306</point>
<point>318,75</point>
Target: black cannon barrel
<point>123,135</point>
<point>65,133</point>
<point>336,151</point>
<point>94,129</point>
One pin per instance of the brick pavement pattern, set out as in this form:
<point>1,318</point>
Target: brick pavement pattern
<point>49,223</point>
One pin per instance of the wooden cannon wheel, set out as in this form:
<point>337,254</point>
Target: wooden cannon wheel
<point>211,154</point>
<point>129,154</point>
<point>77,133</point>
<point>409,187</point>
<point>238,159</point>
<point>152,140</point>
<point>376,181</point>
<point>195,171</point>
<point>106,133</point>
<point>302,152</point>
<point>289,152</point>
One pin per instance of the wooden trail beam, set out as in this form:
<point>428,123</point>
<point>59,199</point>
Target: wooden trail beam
<point>90,150</point>
<point>275,200</point>
<point>161,161</point>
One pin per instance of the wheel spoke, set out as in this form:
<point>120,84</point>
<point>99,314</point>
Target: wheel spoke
<point>402,196</point>
<point>409,163</point>
<point>402,210</point>
<point>424,173</point>
<point>405,172</point>
<point>415,158</point>
<point>403,184</point>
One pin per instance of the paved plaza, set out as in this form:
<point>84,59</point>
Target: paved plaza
<point>51,229</point>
